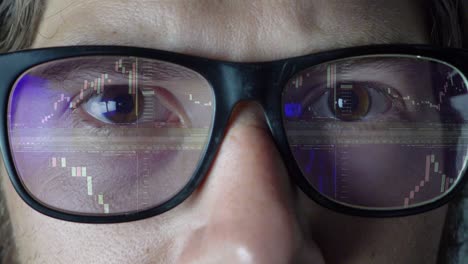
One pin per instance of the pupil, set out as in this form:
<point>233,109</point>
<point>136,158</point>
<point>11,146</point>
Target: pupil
<point>350,102</point>
<point>120,106</point>
<point>124,104</point>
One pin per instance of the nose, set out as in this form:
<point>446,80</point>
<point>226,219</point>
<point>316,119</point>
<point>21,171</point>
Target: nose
<point>247,201</point>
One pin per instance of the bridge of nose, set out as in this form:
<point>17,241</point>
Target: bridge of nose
<point>249,82</point>
<point>252,82</point>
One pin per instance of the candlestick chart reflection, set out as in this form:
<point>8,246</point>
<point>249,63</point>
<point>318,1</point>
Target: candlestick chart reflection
<point>379,132</point>
<point>105,135</point>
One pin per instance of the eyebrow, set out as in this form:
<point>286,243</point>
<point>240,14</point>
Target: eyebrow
<point>394,72</point>
<point>402,71</point>
<point>391,63</point>
<point>89,67</point>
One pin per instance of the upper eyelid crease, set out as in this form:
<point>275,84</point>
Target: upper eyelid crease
<point>169,101</point>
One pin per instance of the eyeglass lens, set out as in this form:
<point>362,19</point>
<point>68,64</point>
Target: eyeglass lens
<point>109,135</point>
<point>378,132</point>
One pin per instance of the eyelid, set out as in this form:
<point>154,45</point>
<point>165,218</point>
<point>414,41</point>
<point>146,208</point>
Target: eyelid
<point>168,100</point>
<point>388,73</point>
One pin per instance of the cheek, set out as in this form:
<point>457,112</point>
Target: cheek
<point>41,239</point>
<point>344,238</point>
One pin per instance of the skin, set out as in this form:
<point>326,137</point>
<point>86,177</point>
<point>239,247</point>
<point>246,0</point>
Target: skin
<point>247,210</point>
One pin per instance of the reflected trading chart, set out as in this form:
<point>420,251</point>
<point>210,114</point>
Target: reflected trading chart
<point>379,132</point>
<point>107,135</point>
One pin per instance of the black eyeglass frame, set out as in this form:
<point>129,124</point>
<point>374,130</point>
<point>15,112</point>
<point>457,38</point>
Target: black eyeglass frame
<point>232,83</point>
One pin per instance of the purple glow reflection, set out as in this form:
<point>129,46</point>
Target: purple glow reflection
<point>71,161</point>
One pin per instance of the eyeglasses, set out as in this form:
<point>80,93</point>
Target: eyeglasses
<point>105,134</point>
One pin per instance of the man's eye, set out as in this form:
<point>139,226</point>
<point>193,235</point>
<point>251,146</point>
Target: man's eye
<point>352,102</point>
<point>116,105</point>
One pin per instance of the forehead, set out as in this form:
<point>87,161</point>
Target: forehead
<point>233,30</point>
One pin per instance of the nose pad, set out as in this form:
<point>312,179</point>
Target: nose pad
<point>246,201</point>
